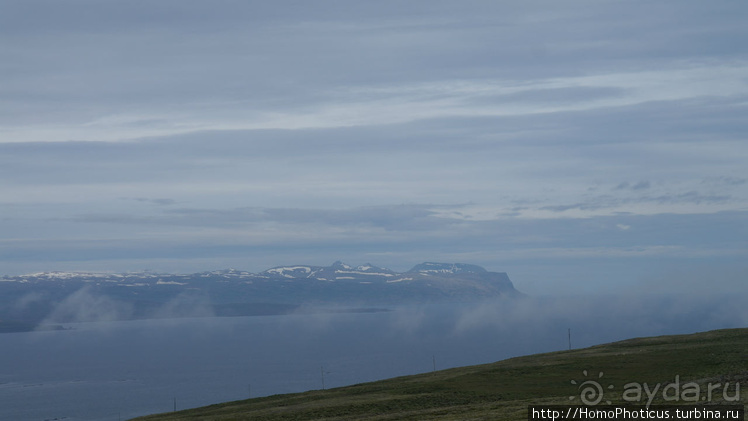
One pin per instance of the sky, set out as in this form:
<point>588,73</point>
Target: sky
<point>579,146</point>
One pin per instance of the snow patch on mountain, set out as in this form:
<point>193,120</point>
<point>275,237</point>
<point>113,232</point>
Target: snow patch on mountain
<point>291,271</point>
<point>162,282</point>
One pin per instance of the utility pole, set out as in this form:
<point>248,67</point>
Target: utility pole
<point>569,339</point>
<point>175,404</point>
<point>322,373</point>
<point>433,358</point>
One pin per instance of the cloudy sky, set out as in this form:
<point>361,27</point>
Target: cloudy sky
<point>580,146</point>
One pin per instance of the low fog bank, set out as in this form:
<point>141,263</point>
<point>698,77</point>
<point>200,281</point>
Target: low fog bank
<point>406,339</point>
<point>512,327</point>
<point>537,322</point>
<point>88,305</point>
<point>139,367</point>
<point>595,319</point>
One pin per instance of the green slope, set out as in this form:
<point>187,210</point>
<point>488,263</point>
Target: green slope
<point>502,390</point>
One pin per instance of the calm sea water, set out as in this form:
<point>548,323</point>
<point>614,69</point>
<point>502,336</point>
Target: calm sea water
<point>119,370</point>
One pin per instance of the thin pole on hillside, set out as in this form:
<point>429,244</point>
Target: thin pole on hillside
<point>322,373</point>
<point>433,357</point>
<point>569,339</point>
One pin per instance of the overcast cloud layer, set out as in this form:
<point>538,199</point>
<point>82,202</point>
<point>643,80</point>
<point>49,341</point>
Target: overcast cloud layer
<point>579,146</point>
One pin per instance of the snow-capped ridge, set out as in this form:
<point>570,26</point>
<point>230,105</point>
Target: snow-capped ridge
<point>228,273</point>
<point>446,268</point>
<point>336,272</point>
<point>340,265</point>
<point>64,275</point>
<point>236,292</point>
<point>290,272</point>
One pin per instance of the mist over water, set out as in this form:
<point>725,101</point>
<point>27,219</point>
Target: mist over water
<point>107,370</point>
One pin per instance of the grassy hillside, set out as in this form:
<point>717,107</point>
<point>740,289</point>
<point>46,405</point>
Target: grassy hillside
<point>502,390</point>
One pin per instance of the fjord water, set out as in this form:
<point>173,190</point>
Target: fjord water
<point>119,370</point>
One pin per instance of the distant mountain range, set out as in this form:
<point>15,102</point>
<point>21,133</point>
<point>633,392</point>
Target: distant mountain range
<point>53,298</point>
